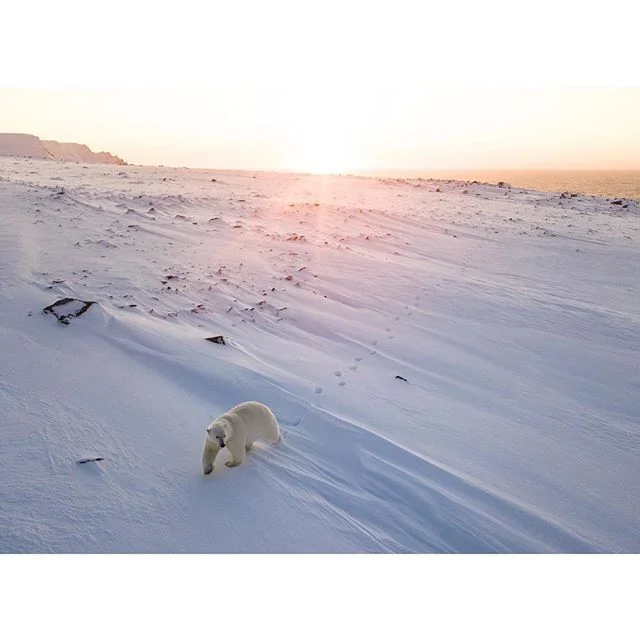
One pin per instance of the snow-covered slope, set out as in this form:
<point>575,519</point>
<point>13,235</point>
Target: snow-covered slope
<point>511,317</point>
<point>23,145</point>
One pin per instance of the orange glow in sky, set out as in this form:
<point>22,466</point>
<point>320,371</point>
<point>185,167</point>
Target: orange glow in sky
<point>327,86</point>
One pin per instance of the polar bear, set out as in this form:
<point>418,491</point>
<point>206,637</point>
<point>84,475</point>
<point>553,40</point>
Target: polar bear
<point>237,429</point>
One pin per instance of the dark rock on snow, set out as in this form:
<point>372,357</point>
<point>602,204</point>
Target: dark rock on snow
<point>67,308</point>
<point>85,460</point>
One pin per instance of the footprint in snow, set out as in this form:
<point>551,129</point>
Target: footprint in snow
<point>341,383</point>
<point>353,367</point>
<point>318,390</point>
<point>337,373</point>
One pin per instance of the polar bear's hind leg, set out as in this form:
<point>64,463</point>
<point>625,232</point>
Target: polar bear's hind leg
<point>273,433</point>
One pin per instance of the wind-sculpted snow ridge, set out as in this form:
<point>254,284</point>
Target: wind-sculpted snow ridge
<point>454,365</point>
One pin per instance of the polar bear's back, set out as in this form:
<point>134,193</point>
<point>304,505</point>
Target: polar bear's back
<point>258,419</point>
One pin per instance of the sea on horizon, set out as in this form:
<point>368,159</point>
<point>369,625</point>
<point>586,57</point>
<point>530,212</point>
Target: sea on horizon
<point>610,183</point>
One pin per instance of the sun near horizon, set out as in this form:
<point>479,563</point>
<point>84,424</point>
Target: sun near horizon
<point>329,87</point>
<point>457,129</point>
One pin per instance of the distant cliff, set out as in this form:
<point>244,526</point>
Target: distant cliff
<point>23,145</point>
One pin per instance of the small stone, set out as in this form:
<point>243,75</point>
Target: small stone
<point>85,460</point>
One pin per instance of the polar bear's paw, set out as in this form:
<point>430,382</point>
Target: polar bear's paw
<point>232,464</point>
<point>207,470</point>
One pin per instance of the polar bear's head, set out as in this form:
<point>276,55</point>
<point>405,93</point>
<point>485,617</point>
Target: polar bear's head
<point>216,432</point>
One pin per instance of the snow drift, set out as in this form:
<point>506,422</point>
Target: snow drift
<point>454,365</point>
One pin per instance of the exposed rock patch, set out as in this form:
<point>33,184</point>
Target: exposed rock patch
<point>67,308</point>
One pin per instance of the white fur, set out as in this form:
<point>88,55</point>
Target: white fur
<point>238,428</point>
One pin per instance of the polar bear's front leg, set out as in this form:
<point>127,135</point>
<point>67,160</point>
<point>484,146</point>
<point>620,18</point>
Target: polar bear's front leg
<point>236,449</point>
<point>208,456</point>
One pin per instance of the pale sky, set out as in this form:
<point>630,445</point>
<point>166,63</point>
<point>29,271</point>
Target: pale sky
<point>328,85</point>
